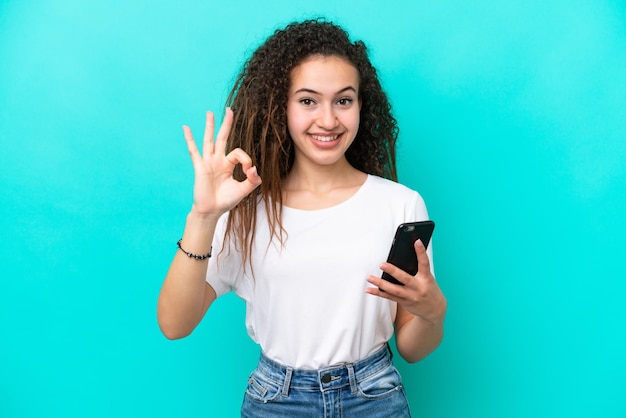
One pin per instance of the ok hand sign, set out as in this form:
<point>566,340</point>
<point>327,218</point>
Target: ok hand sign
<point>215,189</point>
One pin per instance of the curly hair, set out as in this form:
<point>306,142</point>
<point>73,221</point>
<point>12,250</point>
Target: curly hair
<point>259,103</point>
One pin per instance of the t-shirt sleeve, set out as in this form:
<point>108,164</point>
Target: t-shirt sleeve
<point>225,268</point>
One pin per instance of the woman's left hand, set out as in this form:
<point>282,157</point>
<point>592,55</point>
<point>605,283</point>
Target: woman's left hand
<point>420,295</point>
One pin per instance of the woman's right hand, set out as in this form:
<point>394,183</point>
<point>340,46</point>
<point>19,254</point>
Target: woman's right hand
<point>215,190</point>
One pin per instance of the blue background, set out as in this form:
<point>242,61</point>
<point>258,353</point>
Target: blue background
<point>512,128</point>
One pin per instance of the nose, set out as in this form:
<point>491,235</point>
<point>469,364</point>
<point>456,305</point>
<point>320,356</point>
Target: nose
<point>327,118</point>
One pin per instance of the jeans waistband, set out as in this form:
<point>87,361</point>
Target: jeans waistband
<point>328,378</point>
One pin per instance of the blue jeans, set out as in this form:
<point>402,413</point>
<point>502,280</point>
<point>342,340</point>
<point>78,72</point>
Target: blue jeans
<point>369,388</point>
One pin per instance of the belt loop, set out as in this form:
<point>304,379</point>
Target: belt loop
<point>389,351</point>
<point>287,382</point>
<point>352,378</point>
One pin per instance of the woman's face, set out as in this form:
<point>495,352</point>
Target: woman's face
<point>323,110</point>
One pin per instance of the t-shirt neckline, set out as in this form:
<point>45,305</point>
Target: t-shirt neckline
<point>353,197</point>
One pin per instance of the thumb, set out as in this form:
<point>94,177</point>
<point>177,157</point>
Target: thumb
<point>423,262</point>
<point>252,181</point>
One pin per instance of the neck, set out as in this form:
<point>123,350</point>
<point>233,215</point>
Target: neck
<point>322,178</point>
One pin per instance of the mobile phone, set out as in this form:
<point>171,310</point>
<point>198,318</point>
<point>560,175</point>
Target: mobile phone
<point>402,253</point>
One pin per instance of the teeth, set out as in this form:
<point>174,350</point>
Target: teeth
<point>325,138</point>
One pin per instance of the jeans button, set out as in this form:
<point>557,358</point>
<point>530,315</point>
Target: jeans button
<point>326,378</point>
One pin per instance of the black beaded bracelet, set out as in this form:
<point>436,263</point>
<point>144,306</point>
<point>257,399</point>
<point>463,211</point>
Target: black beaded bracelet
<point>191,255</point>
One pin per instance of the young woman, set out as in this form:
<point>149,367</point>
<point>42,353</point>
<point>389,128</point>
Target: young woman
<point>295,207</point>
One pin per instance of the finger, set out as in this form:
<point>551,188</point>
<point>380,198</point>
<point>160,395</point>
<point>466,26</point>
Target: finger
<point>209,128</point>
<point>397,273</point>
<point>423,262</point>
<point>191,145</point>
<point>390,289</point>
<point>239,156</point>
<point>222,134</point>
<point>252,181</point>
<point>383,289</point>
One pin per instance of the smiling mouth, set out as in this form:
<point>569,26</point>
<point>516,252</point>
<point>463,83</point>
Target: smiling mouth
<point>325,138</point>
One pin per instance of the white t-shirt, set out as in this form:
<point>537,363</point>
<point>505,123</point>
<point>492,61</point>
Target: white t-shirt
<point>306,304</point>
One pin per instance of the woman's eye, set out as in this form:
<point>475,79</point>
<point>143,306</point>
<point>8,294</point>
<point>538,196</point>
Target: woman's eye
<point>306,102</point>
<point>344,101</point>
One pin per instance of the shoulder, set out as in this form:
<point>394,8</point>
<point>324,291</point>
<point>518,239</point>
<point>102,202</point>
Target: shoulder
<point>392,189</point>
<point>401,200</point>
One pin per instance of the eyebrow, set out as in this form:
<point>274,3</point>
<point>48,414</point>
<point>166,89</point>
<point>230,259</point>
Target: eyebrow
<point>307,90</point>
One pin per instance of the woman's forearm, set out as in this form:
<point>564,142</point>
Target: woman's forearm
<point>185,296</point>
<point>417,338</point>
